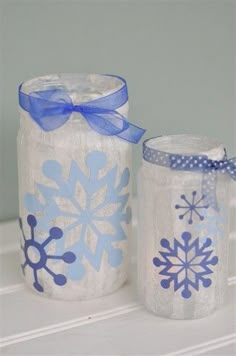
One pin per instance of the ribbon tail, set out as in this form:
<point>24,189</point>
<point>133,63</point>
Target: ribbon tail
<point>209,184</point>
<point>112,123</point>
<point>132,134</point>
<point>232,170</point>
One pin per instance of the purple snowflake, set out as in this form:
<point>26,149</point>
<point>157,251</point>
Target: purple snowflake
<point>41,257</point>
<point>192,207</point>
<point>186,264</point>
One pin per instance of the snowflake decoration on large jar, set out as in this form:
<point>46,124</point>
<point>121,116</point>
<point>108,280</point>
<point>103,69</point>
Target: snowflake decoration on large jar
<point>186,264</point>
<point>36,257</point>
<point>92,207</point>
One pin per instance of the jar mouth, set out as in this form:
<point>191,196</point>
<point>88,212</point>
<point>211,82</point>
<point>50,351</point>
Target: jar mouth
<point>187,145</point>
<point>80,86</point>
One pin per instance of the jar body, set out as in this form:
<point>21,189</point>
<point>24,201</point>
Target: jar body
<point>182,243</point>
<point>78,181</point>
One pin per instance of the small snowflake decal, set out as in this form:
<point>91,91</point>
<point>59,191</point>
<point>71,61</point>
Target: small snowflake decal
<point>192,207</point>
<point>92,205</point>
<point>40,255</point>
<point>186,264</point>
<point>213,225</point>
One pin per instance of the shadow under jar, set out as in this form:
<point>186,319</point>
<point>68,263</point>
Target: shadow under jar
<point>74,188</point>
<point>183,226</point>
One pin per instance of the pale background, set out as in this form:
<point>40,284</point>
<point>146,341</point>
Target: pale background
<point>177,56</point>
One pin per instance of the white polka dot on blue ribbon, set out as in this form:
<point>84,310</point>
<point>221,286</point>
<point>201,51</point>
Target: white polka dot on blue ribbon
<point>200,163</point>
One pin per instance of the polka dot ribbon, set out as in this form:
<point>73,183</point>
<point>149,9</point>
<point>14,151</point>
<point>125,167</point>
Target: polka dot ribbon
<point>210,168</point>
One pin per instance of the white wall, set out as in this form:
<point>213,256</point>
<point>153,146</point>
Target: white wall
<point>177,57</point>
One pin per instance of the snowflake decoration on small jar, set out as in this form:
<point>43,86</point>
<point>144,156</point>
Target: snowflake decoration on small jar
<point>214,225</point>
<point>186,264</point>
<point>192,207</point>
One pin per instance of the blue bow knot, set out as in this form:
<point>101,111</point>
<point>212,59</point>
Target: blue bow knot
<point>52,108</point>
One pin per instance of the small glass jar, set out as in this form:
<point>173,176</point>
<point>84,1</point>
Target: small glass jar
<point>183,227</point>
<point>74,195</point>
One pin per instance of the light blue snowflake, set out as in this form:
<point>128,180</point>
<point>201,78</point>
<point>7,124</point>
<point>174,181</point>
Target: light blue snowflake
<point>103,205</point>
<point>213,225</point>
<point>192,207</point>
<point>31,247</point>
<point>186,264</point>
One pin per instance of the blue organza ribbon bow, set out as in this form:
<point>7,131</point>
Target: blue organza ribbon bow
<point>201,163</point>
<point>52,108</point>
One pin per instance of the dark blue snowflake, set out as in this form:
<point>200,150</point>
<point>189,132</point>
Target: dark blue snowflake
<point>33,248</point>
<point>192,207</point>
<point>186,264</point>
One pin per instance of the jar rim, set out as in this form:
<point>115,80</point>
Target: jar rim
<point>87,85</point>
<point>186,144</point>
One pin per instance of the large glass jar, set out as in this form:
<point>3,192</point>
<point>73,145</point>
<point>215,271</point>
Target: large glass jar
<point>74,190</point>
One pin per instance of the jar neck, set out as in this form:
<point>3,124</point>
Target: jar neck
<point>164,150</point>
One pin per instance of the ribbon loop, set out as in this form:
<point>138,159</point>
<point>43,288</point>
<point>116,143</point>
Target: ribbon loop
<point>52,108</point>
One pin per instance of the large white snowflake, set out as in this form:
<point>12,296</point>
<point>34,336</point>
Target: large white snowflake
<point>92,205</point>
